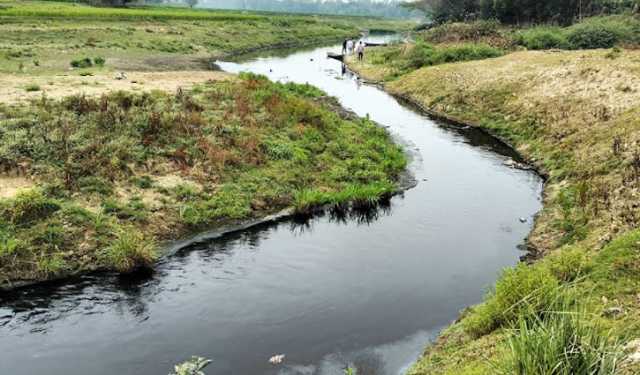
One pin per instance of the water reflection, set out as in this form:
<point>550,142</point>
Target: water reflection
<point>129,294</point>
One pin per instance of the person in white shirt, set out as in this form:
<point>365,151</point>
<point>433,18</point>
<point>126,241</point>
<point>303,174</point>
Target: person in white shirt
<point>349,47</point>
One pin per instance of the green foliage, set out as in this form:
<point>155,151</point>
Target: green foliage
<point>483,31</point>
<point>573,220</point>
<point>51,266</point>
<point>82,63</point>
<point>423,54</point>
<point>225,151</point>
<point>522,11</point>
<point>134,210</point>
<point>523,292</point>
<point>563,342</point>
<point>589,36</point>
<point>541,38</point>
<point>193,366</point>
<point>99,61</point>
<point>28,206</point>
<point>9,245</point>
<point>358,194</point>
<point>131,249</point>
<point>569,264</point>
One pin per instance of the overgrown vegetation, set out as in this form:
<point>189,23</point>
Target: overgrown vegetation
<point>119,172</point>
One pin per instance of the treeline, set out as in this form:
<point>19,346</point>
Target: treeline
<point>521,11</point>
<point>385,8</point>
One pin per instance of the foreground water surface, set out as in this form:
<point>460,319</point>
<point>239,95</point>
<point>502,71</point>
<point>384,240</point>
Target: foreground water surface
<point>368,289</point>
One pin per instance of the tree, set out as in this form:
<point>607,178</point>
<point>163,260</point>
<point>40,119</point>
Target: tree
<point>192,3</point>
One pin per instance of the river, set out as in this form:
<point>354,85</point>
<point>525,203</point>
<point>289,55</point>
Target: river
<point>368,290</point>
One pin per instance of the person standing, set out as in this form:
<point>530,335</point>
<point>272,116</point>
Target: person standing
<point>360,50</point>
<point>344,46</point>
<point>349,47</point>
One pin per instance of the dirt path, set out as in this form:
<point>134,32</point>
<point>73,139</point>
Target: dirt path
<point>16,88</point>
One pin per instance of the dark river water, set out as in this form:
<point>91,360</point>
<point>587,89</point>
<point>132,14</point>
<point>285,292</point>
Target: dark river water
<point>368,290</point>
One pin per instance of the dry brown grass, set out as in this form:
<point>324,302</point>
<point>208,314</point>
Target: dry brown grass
<point>576,114</point>
<point>59,86</point>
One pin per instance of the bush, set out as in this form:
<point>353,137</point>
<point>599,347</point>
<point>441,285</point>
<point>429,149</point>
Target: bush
<point>591,36</point>
<point>423,54</point>
<point>130,250</point>
<point>523,291</point>
<point>458,31</point>
<point>561,343</point>
<point>99,61</point>
<point>542,38</point>
<point>82,63</point>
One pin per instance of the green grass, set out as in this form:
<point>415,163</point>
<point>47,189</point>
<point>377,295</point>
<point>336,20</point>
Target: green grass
<point>565,341</point>
<point>151,38</point>
<point>129,250</point>
<point>400,59</point>
<point>230,150</point>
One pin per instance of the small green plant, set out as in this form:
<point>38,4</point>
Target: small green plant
<point>51,265</point>
<point>193,366</point>
<point>32,87</point>
<point>130,250</point>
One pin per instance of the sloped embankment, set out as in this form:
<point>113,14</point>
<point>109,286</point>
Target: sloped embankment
<point>576,116</point>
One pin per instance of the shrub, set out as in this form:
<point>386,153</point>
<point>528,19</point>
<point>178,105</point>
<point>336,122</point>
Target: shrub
<point>542,38</point>
<point>130,250</point>
<point>523,291</point>
<point>591,36</point>
<point>82,63</point>
<point>99,61</point>
<point>457,32</point>
<point>561,343</point>
<point>423,54</point>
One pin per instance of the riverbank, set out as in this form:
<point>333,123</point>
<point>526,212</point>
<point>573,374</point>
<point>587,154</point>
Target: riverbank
<point>97,182</point>
<point>573,114</point>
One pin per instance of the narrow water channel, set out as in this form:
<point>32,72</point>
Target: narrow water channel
<point>368,290</point>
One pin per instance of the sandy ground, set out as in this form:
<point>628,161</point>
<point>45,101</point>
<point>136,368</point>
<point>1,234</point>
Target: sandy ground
<point>13,88</point>
<point>10,186</point>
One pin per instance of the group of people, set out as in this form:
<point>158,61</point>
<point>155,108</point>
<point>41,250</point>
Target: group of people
<point>350,47</point>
